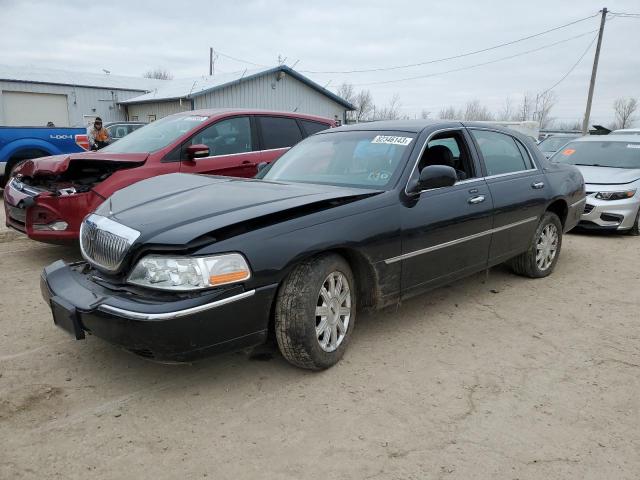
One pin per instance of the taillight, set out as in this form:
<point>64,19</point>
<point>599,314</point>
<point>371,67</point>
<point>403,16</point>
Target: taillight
<point>82,140</point>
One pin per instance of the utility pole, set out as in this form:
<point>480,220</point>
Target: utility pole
<point>210,61</point>
<point>592,84</point>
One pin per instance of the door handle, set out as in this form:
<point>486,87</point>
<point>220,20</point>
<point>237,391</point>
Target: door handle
<point>246,162</point>
<point>537,185</point>
<point>477,199</point>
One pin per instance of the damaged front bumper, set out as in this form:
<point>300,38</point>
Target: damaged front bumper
<point>44,216</point>
<point>176,328</point>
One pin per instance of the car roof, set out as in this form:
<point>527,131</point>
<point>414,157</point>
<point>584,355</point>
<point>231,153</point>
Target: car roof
<point>219,112</point>
<point>609,138</point>
<point>417,126</point>
<point>622,131</point>
<point>570,135</point>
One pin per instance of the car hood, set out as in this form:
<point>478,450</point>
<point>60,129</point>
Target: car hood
<point>178,207</point>
<point>608,175</point>
<point>58,164</point>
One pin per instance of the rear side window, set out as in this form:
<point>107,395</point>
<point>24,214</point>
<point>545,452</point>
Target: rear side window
<point>311,127</point>
<point>279,132</point>
<point>501,152</point>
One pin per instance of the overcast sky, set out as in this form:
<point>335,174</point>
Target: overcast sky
<point>130,37</point>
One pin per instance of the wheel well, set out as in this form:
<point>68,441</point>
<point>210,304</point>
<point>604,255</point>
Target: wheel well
<point>25,154</point>
<point>559,207</point>
<point>363,271</point>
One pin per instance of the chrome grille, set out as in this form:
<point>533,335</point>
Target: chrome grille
<point>105,243</point>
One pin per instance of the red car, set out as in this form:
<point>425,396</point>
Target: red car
<point>48,197</point>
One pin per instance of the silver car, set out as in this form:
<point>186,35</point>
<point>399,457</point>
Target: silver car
<point>610,166</point>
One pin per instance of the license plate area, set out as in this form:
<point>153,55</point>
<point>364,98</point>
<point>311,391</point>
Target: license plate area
<point>65,316</point>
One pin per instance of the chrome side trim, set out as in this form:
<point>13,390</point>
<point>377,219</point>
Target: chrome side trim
<point>415,253</point>
<point>178,313</point>
<point>241,153</point>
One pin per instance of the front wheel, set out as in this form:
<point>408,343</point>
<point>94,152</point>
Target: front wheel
<point>541,257</point>
<point>635,229</point>
<point>315,312</point>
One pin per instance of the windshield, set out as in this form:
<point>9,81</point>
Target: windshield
<point>600,154</point>
<point>156,135</point>
<point>358,159</point>
<point>553,144</point>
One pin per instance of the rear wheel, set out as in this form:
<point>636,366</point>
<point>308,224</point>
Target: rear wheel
<point>541,257</point>
<point>315,312</point>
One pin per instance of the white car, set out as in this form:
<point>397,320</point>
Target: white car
<point>610,165</point>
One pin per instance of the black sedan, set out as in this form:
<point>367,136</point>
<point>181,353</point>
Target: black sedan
<point>362,216</point>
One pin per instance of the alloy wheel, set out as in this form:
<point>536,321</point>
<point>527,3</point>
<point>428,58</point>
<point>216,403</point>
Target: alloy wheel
<point>547,246</point>
<point>333,311</point>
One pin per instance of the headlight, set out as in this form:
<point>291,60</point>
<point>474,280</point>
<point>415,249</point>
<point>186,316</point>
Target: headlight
<point>615,195</point>
<point>189,273</point>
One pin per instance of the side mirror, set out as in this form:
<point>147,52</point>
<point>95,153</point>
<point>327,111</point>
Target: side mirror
<point>197,151</point>
<point>436,176</point>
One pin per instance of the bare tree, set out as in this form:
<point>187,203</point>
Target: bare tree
<point>450,113</point>
<point>391,111</point>
<point>363,101</point>
<point>508,112</point>
<point>625,108</point>
<point>346,91</point>
<point>425,114</point>
<point>544,103</point>
<point>474,110</point>
<point>159,73</point>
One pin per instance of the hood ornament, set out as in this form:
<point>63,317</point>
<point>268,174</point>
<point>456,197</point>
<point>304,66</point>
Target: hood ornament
<point>110,207</point>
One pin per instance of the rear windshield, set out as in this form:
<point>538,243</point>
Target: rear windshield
<point>156,135</point>
<point>553,144</point>
<point>600,154</point>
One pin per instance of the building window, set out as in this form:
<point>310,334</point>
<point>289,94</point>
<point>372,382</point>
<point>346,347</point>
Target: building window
<point>151,118</point>
<point>134,118</point>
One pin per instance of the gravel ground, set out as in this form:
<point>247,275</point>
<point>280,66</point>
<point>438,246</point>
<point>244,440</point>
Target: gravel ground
<point>498,377</point>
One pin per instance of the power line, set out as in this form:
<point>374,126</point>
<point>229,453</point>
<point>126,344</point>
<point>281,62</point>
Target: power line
<point>453,57</point>
<point>573,67</point>
<point>477,64</point>
<point>427,62</point>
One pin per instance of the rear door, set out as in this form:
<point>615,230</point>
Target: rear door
<point>277,135</point>
<point>518,189</point>
<point>232,149</point>
<point>447,231</point>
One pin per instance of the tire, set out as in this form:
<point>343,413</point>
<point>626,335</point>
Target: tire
<point>635,230</point>
<point>7,173</point>
<point>527,264</point>
<point>298,322</point>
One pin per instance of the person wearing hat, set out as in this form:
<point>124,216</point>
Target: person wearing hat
<point>98,136</point>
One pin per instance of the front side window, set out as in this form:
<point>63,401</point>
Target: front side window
<point>226,137</point>
<point>449,149</point>
<point>279,132</point>
<point>500,152</point>
<point>370,159</point>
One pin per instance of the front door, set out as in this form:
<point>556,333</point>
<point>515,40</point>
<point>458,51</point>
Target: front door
<point>231,149</point>
<point>446,232</point>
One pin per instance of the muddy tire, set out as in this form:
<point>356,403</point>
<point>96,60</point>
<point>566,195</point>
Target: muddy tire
<point>542,255</point>
<point>315,312</point>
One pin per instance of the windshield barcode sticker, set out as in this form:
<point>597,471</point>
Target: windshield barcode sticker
<point>633,145</point>
<point>391,140</point>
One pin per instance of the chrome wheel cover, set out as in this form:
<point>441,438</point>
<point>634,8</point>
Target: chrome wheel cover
<point>333,311</point>
<point>547,246</point>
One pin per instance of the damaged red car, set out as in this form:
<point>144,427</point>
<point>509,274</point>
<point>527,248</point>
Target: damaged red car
<point>48,197</point>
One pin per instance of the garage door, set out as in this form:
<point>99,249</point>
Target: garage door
<point>34,109</point>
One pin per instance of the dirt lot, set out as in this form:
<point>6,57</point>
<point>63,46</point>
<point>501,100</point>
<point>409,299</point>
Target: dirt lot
<point>509,378</point>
